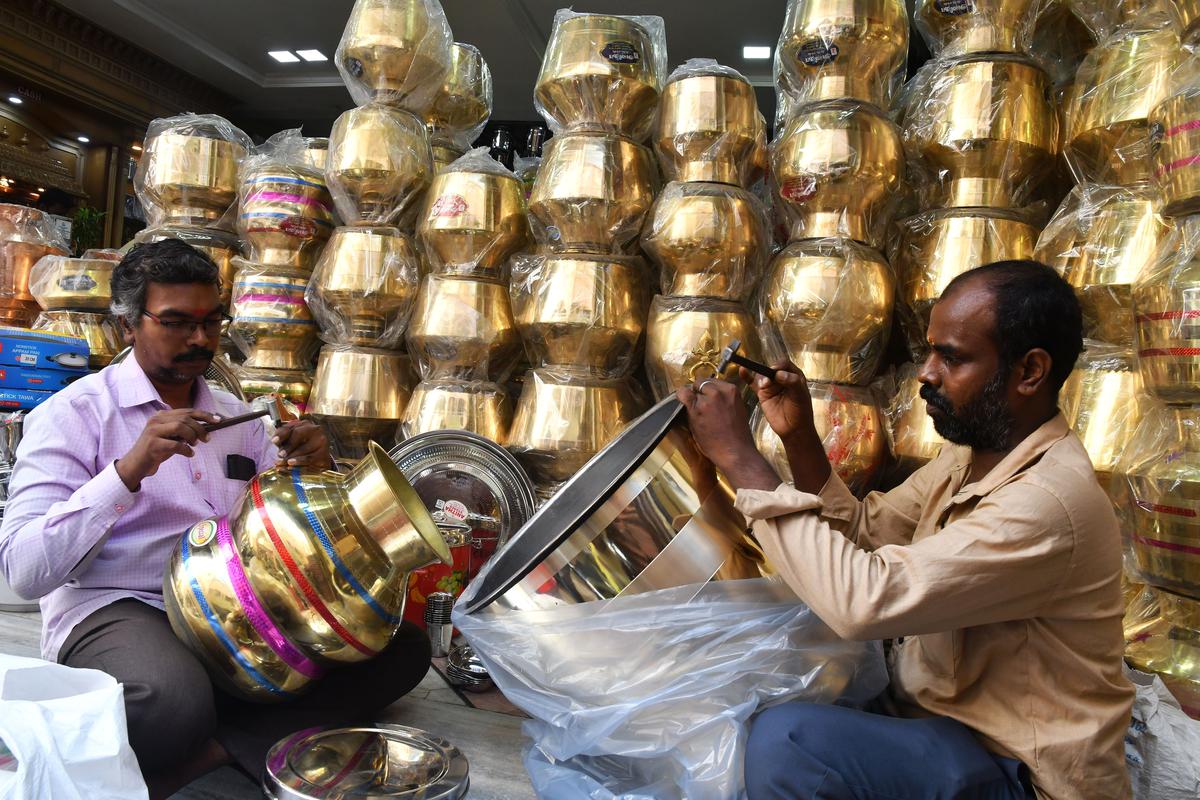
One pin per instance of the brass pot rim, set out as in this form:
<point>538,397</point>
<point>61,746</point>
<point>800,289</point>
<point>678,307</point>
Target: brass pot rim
<point>994,57</point>
<point>990,212</point>
<point>708,72</point>
<point>408,499</point>
<point>624,20</point>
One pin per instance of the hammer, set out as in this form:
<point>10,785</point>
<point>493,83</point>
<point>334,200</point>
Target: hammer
<point>730,355</point>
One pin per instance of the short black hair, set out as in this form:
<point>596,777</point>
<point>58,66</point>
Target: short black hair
<point>1034,308</point>
<point>166,261</point>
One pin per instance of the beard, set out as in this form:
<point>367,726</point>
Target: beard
<point>982,423</point>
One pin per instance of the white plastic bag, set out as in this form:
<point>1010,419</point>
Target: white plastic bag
<point>64,730</point>
<point>1162,747</point>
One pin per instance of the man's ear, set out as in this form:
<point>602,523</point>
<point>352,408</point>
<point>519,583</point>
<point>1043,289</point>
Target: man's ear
<point>1034,371</point>
<point>126,331</point>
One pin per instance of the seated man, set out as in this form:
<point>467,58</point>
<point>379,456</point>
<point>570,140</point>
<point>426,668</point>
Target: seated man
<point>110,472</point>
<point>995,569</point>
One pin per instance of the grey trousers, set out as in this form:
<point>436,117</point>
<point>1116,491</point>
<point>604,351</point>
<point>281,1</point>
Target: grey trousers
<point>172,707</point>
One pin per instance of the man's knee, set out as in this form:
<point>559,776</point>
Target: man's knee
<point>169,714</point>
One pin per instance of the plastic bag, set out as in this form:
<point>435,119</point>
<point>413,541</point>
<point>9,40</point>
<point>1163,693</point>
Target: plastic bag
<point>1106,17</point>
<point>1174,140</point>
<point>271,322</point>
<point>100,330</point>
<point>463,328</point>
<point>1061,40</point>
<point>602,72</point>
<point>26,235</point>
<point>463,104</point>
<point>685,337</point>
<point>83,284</point>
<point>477,406</point>
<point>648,695</point>
<point>63,734</point>
<point>1164,330</point>
<point>1162,743</point>
<point>959,27</point>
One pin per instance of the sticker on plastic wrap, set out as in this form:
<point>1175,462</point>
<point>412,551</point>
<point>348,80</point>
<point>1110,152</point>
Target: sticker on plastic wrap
<point>621,52</point>
<point>798,190</point>
<point>954,8</point>
<point>450,205</point>
<point>299,227</point>
<point>816,53</point>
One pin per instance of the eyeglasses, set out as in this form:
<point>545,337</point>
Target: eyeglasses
<point>183,328</point>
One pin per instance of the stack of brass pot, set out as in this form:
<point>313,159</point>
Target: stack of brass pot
<point>75,294</point>
<point>26,236</point>
<point>271,323</point>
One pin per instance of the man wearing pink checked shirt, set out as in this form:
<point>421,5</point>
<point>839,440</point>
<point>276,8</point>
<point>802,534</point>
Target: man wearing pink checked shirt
<point>109,473</point>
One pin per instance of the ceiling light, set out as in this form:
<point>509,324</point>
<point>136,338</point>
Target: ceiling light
<point>40,189</point>
<point>82,139</point>
<point>756,53</point>
<point>312,55</point>
<point>16,101</point>
<point>137,148</point>
<point>283,56</point>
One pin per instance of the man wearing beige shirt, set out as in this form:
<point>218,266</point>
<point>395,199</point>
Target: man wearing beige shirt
<point>995,569</point>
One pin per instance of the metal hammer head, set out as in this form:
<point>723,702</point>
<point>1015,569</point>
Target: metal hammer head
<point>727,355</point>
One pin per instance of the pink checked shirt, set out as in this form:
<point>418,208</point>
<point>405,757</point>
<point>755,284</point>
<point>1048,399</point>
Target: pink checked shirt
<point>73,534</point>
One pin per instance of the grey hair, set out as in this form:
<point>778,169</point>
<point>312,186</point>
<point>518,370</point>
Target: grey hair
<point>168,261</point>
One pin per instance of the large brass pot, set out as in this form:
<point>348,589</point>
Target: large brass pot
<point>599,73</point>
<point>271,323</point>
<point>913,439</point>
<point>592,192</point>
<point>471,222</point>
<point>1176,151</point>
<point>709,129</point>
<point>26,235</point>
<point>292,385</point>
<point>1166,310</point>
<point>464,100</point>
<point>831,300</point>
<point>1103,401</point>
<point>286,215</point>
<point>709,240</point>
<point>307,571</point>
<point>977,26</point>
<point>395,52</point>
<point>439,405</point>
<point>838,167</point>
<point>685,336</point>
<point>1169,646</point>
<point>100,331</point>
<point>359,396</point>
<point>987,128</point>
<point>463,328</point>
<point>851,49</point>
<point>220,246</point>
<point>379,163</point>
<point>80,284</point>
<point>189,177</point>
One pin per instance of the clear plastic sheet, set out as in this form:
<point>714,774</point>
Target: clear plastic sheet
<point>1106,17</point>
<point>473,217</point>
<point>709,127</point>
<point>708,240</point>
<point>985,128</point>
<point>477,406</point>
<point>363,288</point>
<point>526,169</point>
<point>829,303</point>
<point>26,235</point>
<point>463,104</point>
<point>395,52</point>
<point>99,330</point>
<point>960,27</point>
<point>358,396</point>
<point>1162,636</point>
<point>82,284</point>
<point>1166,333</point>
<point>911,436</point>
<point>1061,40</point>
<point>685,337</point>
<point>189,170</point>
<point>1175,141</point>
<point>463,328</point>
<point>648,696</point>
<point>271,322</point>
<point>581,310</point>
<point>602,72</point>
<point>292,386</point>
<point>103,254</point>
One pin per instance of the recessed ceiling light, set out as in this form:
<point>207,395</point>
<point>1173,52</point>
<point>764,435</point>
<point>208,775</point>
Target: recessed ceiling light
<point>283,56</point>
<point>16,101</point>
<point>137,148</point>
<point>82,139</point>
<point>312,55</point>
<point>756,53</point>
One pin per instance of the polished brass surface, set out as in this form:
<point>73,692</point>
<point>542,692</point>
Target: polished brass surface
<point>444,156</point>
<point>463,328</point>
<point>853,49</point>
<point>709,129</point>
<point>985,26</point>
<point>191,178</point>
<point>296,536</point>
<point>581,87</point>
<point>564,417</point>
<point>394,50</point>
<point>25,237</point>
<point>438,405</point>
<point>220,246</point>
<point>316,153</point>
<point>1103,402</point>
<point>838,167</point>
<point>464,101</point>
<point>271,322</point>
<point>592,192</point>
<point>831,302</point>
<point>684,338</point>
<point>80,284</point>
<point>359,396</point>
<point>292,385</point>
<point>471,222</point>
<point>1167,319</point>
<point>987,129</point>
<point>709,240</point>
<point>100,331</point>
<point>286,215</point>
<point>1175,127</point>
<point>379,163</point>
<point>913,439</point>
<point>1174,655</point>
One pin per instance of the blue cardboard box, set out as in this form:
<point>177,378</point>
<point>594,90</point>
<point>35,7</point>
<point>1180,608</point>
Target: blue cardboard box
<point>42,350</point>
<point>49,380</point>
<point>22,399</point>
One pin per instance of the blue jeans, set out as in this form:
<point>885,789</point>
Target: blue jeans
<point>800,751</point>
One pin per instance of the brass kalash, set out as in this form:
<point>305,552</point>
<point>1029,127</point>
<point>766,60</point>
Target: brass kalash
<point>286,214</point>
<point>379,164</point>
<point>188,172</point>
<point>463,103</point>
<point>958,27</point>
<point>75,294</point>
<point>26,235</point>
<point>359,396</point>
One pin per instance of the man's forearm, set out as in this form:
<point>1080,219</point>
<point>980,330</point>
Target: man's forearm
<point>806,457</point>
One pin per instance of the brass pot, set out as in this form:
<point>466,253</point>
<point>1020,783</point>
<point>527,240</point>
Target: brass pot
<point>445,155</point>
<point>564,417</point>
<point>709,240</point>
<point>100,331</point>
<point>286,215</point>
<point>1166,310</point>
<point>463,328</point>
<point>359,396</point>
<point>1176,151</point>
<point>271,322</point>
<point>709,129</point>
<point>379,163</point>
<point>26,236</point>
<point>307,571</point>
<point>582,311</point>
<point>685,336</point>
<point>843,49</point>
<point>189,178</point>
<point>1169,646</point>
<point>592,192</point>
<point>481,408</point>
<point>364,286</point>
<point>80,284</point>
<point>987,128</point>
<point>395,52</point>
<point>292,385</point>
<point>850,425</point>
<point>838,168</point>
<point>464,100</point>
<point>831,302</point>
<point>1104,403</point>
<point>471,222</point>
<point>913,439</point>
<point>599,73</point>
<point>978,26</point>
<point>220,246</point>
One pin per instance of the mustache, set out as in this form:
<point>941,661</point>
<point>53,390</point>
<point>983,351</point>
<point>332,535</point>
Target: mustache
<point>933,398</point>
<point>196,354</point>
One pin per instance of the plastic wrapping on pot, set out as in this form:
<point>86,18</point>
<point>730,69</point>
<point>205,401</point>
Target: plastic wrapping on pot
<point>379,164</point>
<point>26,235</point>
<point>708,240</point>
<point>1162,636</point>
<point>81,284</point>
<point>463,104</point>
<point>1175,144</point>
<point>602,72</point>
<point>220,246</point>
<point>292,386</point>
<point>480,407</point>
<point>359,395</point>
<point>1166,332</point>
<point>854,50</point>
<point>271,322</point>
<point>396,52</point>
<point>363,288</point>
<point>1106,17</point>
<point>1061,40</point>
<point>959,27</point>
<point>600,678</point>
<point>985,128</point>
<point>103,254</point>
<point>685,337</point>
<point>911,435</point>
<point>189,170</point>
<point>463,328</point>
<point>99,330</point>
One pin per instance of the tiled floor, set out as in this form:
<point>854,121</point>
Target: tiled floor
<point>491,742</point>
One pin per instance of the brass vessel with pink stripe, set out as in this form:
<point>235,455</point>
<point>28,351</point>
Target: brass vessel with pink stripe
<point>1166,311</point>
<point>1175,136</point>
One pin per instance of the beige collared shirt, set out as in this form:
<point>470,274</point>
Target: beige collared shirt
<point>1005,592</point>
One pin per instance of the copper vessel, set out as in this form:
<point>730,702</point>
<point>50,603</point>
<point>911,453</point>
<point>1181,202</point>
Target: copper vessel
<point>100,331</point>
<point>1169,646</point>
<point>471,222</point>
<point>911,434</point>
<point>478,407</point>
<point>1103,401</point>
<point>599,73</point>
<point>837,168</point>
<point>79,284</point>
<point>709,129</point>
<point>1176,151</point>
<point>220,246</point>
<point>709,240</point>
<point>364,286</point>
<point>564,417</point>
<point>444,155</point>
<point>850,425</point>
<point>684,338</point>
<point>395,52</point>
<point>292,385</point>
<point>307,571</point>
<point>26,235</point>
<point>359,396</point>
<point>583,311</point>
<point>271,323</point>
<point>464,100</point>
<point>189,178</point>
<point>987,128</point>
<point>286,215</point>
<point>843,49</point>
<point>978,26</point>
<point>463,328</point>
<point>592,192</point>
<point>379,163</point>
<point>830,300</point>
